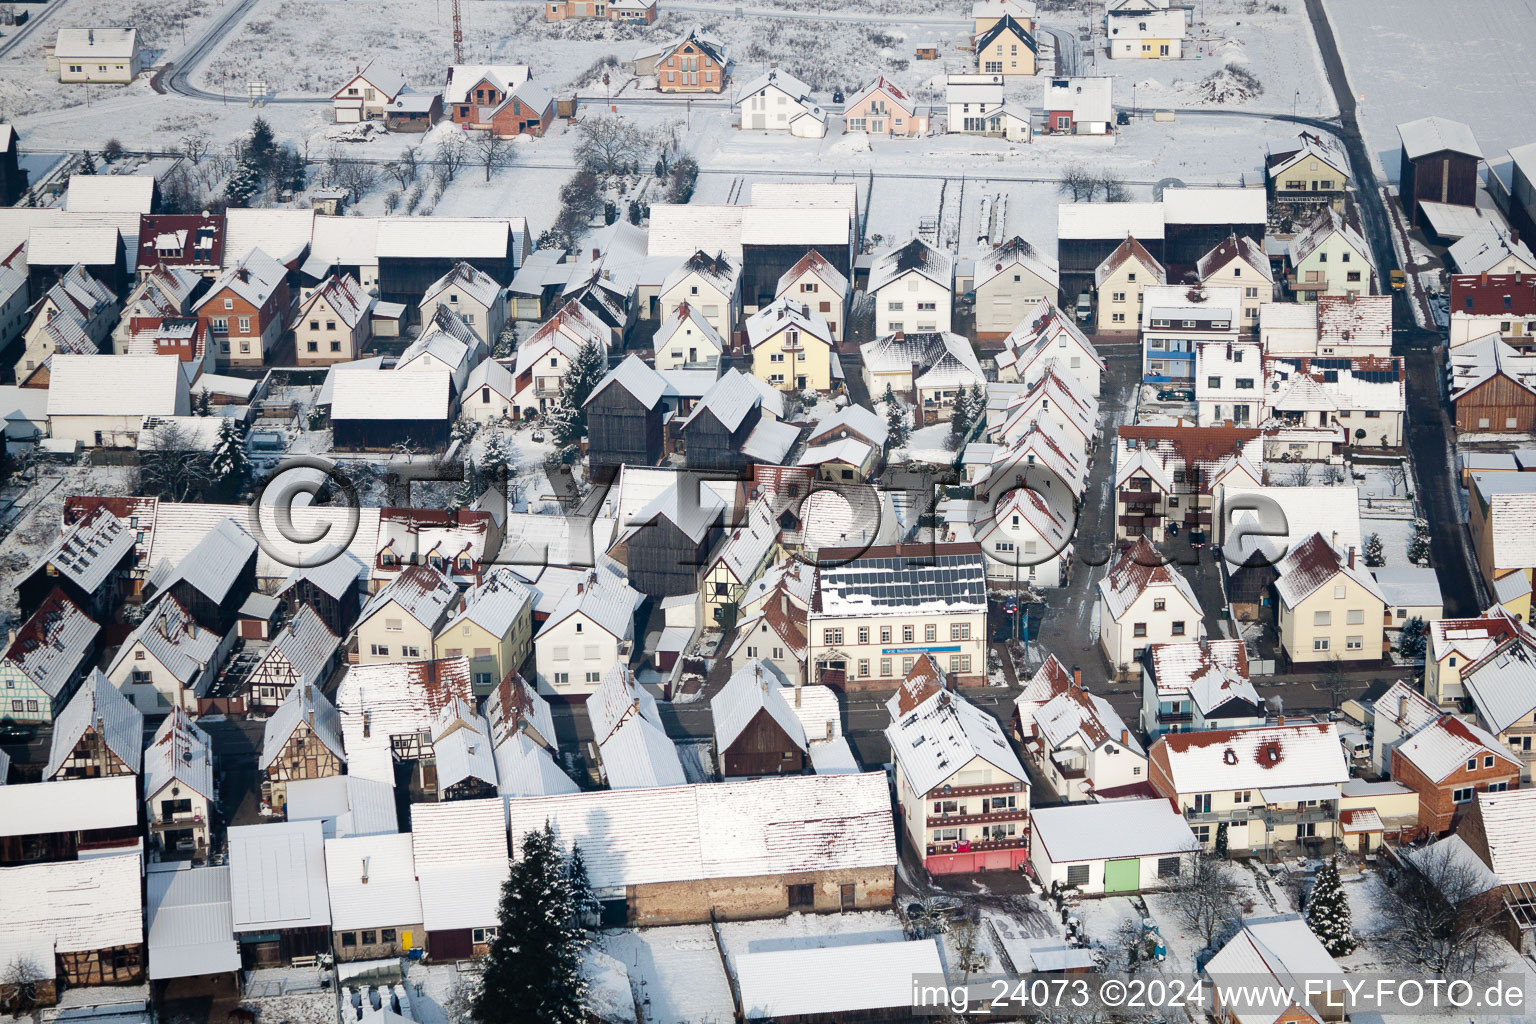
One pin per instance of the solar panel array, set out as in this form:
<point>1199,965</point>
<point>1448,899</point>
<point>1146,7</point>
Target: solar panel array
<point>900,581</point>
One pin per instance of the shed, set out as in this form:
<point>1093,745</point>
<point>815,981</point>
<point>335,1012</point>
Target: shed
<point>1110,847</point>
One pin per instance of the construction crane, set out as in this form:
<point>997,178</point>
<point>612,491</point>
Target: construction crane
<point>458,35</point>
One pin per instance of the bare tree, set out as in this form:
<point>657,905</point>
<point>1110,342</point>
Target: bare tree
<point>356,177</point>
<point>410,157</point>
<point>18,985</point>
<point>492,152</point>
<point>194,147</point>
<point>1113,187</point>
<point>1079,183</point>
<point>1206,897</point>
<point>1334,682</point>
<point>450,156</point>
<point>172,465</point>
<point>608,144</point>
<point>1443,915</point>
<point>965,940</point>
<point>1397,476</point>
<point>403,172</point>
<point>1301,476</point>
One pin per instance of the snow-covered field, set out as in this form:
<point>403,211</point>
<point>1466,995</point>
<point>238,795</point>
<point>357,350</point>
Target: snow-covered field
<point>1464,59</point>
<point>677,970</point>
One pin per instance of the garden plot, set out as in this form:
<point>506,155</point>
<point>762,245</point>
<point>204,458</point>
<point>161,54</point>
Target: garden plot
<point>1242,55</point>
<point>676,970</point>
<point>1468,60</point>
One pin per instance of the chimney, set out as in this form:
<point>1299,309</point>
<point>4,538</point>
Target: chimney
<point>365,869</point>
<point>1077,677</point>
<point>1125,737</point>
<point>309,692</point>
<point>311,719</point>
<point>1402,706</point>
<point>1482,278</point>
<point>797,696</point>
<point>367,724</point>
<point>90,37</point>
<point>1280,720</point>
<point>1351,556</point>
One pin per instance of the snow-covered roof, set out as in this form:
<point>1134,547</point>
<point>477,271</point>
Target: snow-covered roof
<point>213,566</point>
<point>69,906</point>
<point>773,78</point>
<point>180,753</point>
<point>943,735</point>
<point>51,645</point>
<point>732,829</point>
<point>372,881</point>
<point>1409,586</point>
<point>467,280</point>
<point>277,876</point>
<point>1210,672</point>
<point>637,377</point>
<point>1435,134</point>
<point>852,420</point>
<point>96,44</point>
<point>494,604</point>
<point>814,263</point>
<point>1502,684</point>
<point>461,746</point>
<point>461,78</point>
<point>1140,569</point>
<point>461,860</point>
<point>632,742</point>
<point>1089,99</point>
<point>110,193</point>
<point>1509,830</point>
<point>304,703</point>
<point>102,707</point>
<point>173,638</point>
<point>1446,744</point>
<point>1283,948</point>
<point>395,698</point>
<point>1233,248</point>
<point>604,598</point>
<point>786,313</point>
<point>191,925</point>
<point>809,982</point>
<point>69,805</point>
<point>1078,713</point>
<point>84,385</point>
<point>391,395</point>
<point>1484,250</point>
<point>253,279</point>
<point>1103,221</point>
<point>1326,224</point>
<point>1283,155</point>
<point>1314,562</point>
<point>915,257</point>
<point>1110,830</point>
<point>947,577</point>
<point>1307,510</point>
<point>733,396</point>
<point>1014,252</point>
<point>525,768</point>
<point>1215,205</point>
<point>755,687</point>
<point>1262,757</point>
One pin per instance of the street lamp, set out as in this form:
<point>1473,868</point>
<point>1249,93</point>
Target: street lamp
<point>1294,101</point>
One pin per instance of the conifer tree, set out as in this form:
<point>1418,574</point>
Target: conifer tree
<point>1372,549</point>
<point>895,420</point>
<point>1221,840</point>
<point>570,416</point>
<point>229,465</point>
<point>1328,911</point>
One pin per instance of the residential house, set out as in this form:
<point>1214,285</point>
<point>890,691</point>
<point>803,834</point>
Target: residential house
<point>1055,397</point>
<point>304,653</point>
<point>1310,170</point>
<point>1493,251</point>
<point>1119,281</point>
<point>522,730</point>
<point>1449,761</point>
<point>544,358</point>
<point>985,13</point>
<point>463,759</point>
<point>179,790</point>
<point>388,710</point>
<point>1145,29</point>
<point>91,562</point>
<point>278,891</point>
<point>1082,748</point>
<point>1009,282</point>
<point>693,64</point>
<point>330,587</point>
<point>1329,256</point>
<point>446,344</point>
<point>478,299</point>
<point>46,660</point>
<point>1330,608</point>
<point>213,579</point>
<point>1454,645</point>
<point>687,341</point>
<point>460,853</point>
<point>1144,600</point>
<point>367,95</point>
<point>816,283</point>
<point>95,56</point>
<point>1120,846</point>
<point>494,630</point>
<point>1485,304</point>
<point>876,610</point>
<point>1499,828</point>
<point>1277,947</point>
<point>15,291</point>
<point>504,101</point>
<point>490,391</point>
<point>632,748</point>
<point>73,317</point>
<point>773,630</point>
<point>181,241</point>
<point>375,897</point>
<point>1240,262</point>
<point>414,112</point>
<point>883,108</point>
<point>1044,339</point>
<point>401,619</point>
<point>1026,534</point>
<point>963,796</point>
<point>1493,387</point>
<point>709,283</point>
<point>1006,48</point>
<point>756,731</point>
<point>301,741</point>
<point>624,418</point>
<point>247,308</point>
<point>1439,162</point>
<point>1354,325</point>
<point>471,86</point>
<point>79,922</point>
<point>451,542</point>
<point>591,628</point>
<point>334,324</point>
<point>929,370</point>
<point>664,856</point>
<point>1498,515</point>
<point>1177,318</point>
<point>99,733</point>
<point>57,821</point>
<point>1365,397</point>
<point>169,660</point>
<point>1196,686</point>
<point>1079,106</point>
<point>969,99</point>
<point>791,346</point>
<point>1269,784</point>
<point>1498,687</point>
<point>913,288</point>
<point>1167,474</point>
<point>778,101</point>
<point>741,557</point>
<point>737,423</point>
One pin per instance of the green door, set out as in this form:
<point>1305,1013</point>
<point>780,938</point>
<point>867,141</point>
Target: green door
<point>1122,875</point>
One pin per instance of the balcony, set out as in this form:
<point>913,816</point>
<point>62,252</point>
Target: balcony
<point>1297,816</point>
<point>1233,816</point>
<point>1175,716</point>
<point>1313,282</point>
<point>953,820</point>
<point>993,789</point>
<point>1141,499</point>
<point>979,846</point>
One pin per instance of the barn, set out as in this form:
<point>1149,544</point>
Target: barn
<point>1438,164</point>
<point>380,410</point>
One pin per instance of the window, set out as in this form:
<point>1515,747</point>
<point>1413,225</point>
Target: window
<point>348,939</point>
<point>1339,592</point>
<point>908,634</point>
<point>381,650</point>
<point>863,634</point>
<point>1159,605</point>
<point>960,631</point>
<point>393,625</point>
<point>1139,629</point>
<point>831,636</point>
<point>1178,628</point>
<point>863,667</point>
<point>1320,643</point>
<point>885,666</point>
<point>885,634</point>
<point>1168,867</point>
<point>930,633</point>
<point>1497,787</point>
<point>1354,643</point>
<point>1077,874</point>
<point>1463,796</point>
<point>370,938</point>
<point>801,896</point>
<point>960,663</point>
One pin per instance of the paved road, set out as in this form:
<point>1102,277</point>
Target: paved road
<point>38,15</point>
<point>1429,429</point>
<point>176,75</point>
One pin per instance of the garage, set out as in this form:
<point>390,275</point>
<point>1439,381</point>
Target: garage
<point>349,115</point>
<point>1122,875</point>
<point>1120,846</point>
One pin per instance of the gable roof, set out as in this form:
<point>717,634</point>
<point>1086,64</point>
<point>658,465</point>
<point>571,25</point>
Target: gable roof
<point>943,735</point>
<point>1126,250</point>
<point>757,686</point>
<point>1447,743</point>
<point>52,643</point>
<point>1435,134</point>
<point>1327,223</point>
<point>1006,24</point>
<point>1265,757</point>
<point>1502,684</point>
<point>344,296</point>
<point>277,876</point>
<point>70,906</point>
<point>1509,830</point>
<point>1481,251</point>
<point>461,78</point>
<point>100,706</point>
<point>181,753</point>
<point>604,597</point>
<point>253,279</point>
<point>88,385</point>
<point>1211,672</point>
<point>461,855</point>
<point>173,638</point>
<point>388,81</point>
<point>1138,570</point>
<point>423,592</point>
<point>1234,247</point>
<point>1014,252</point>
<point>384,699</point>
<point>915,257</point>
<point>96,43</point>
<point>305,704</point>
<point>1314,562</point>
<point>632,742</point>
<point>813,262</point>
<point>637,377</point>
<point>213,566</point>
<point>897,95</point>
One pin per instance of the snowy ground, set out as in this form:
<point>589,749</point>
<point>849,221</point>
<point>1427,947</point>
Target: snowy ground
<point>810,931</point>
<point>1468,60</point>
<point>676,970</point>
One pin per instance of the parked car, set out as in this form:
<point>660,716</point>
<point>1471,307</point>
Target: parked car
<point>1123,117</point>
<point>1176,395</point>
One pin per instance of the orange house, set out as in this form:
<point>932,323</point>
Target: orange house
<point>528,111</point>
<point>246,310</point>
<point>1447,763</point>
<point>691,65</point>
<point>473,90</point>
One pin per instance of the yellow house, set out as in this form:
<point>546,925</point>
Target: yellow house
<point>1119,280</point>
<point>1310,169</point>
<point>333,324</point>
<point>1330,605</point>
<point>791,346</point>
<point>400,621</point>
<point>1329,257</point>
<point>1454,644</point>
<point>986,13</point>
<point>1007,48</point>
<point>494,631</point>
